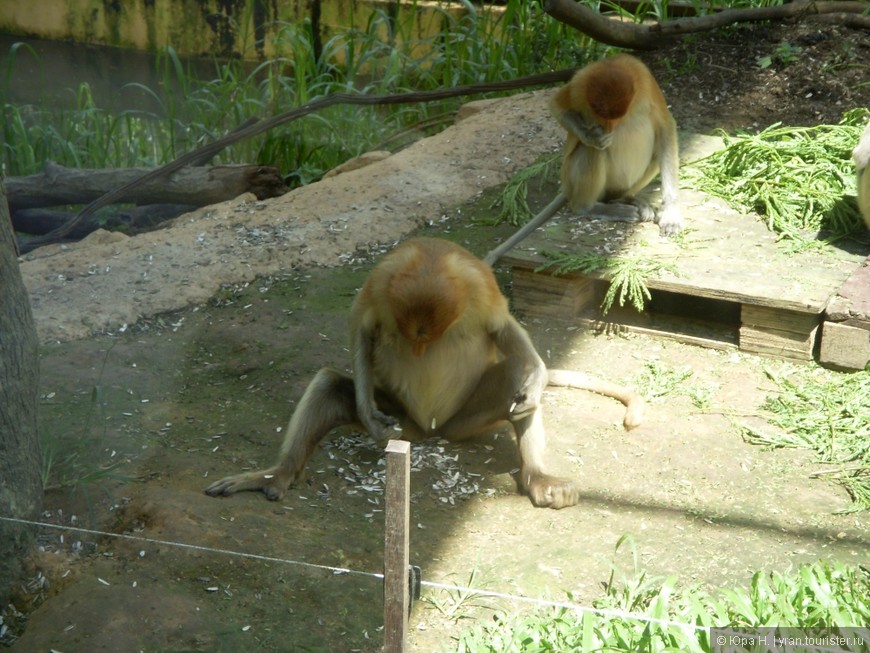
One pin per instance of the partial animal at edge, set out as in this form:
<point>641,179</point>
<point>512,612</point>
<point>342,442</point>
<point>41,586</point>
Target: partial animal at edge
<point>861,157</point>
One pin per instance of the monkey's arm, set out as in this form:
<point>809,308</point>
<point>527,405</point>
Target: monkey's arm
<point>375,422</point>
<point>670,218</point>
<point>514,343</point>
<point>589,132</point>
<point>546,213</point>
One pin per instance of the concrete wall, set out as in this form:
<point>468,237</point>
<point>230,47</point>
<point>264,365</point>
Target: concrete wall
<point>245,28</point>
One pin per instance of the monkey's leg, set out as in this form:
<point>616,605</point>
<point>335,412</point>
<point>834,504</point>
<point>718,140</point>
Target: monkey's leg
<point>545,491</point>
<point>864,194</point>
<point>861,156</point>
<point>328,402</point>
<point>493,401</point>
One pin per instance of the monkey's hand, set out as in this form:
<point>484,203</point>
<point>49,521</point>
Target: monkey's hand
<point>591,134</point>
<point>379,425</point>
<point>528,397</point>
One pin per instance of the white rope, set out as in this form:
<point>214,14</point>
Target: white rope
<point>342,571</point>
<point>604,612</point>
<point>194,547</point>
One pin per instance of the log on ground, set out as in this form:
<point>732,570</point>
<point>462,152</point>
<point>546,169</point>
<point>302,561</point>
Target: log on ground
<point>131,219</point>
<point>57,185</point>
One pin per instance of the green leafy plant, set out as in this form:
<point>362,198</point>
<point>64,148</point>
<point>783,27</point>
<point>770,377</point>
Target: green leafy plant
<point>657,380</point>
<point>641,614</point>
<point>68,456</point>
<point>799,179</point>
<point>380,56</point>
<point>628,275</point>
<point>784,54</point>
<point>513,199</point>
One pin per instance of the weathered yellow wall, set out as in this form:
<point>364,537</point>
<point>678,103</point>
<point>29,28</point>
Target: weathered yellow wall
<point>196,27</point>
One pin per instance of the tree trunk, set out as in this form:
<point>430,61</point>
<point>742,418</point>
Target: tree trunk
<point>654,35</point>
<point>20,457</point>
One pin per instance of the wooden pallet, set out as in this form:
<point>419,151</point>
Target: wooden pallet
<point>729,284</point>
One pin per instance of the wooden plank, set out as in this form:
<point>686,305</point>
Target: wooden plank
<point>396,547</point>
<point>723,255</point>
<point>548,296</point>
<point>700,335</point>
<point>577,300</point>
<point>845,340</point>
<point>777,332</point>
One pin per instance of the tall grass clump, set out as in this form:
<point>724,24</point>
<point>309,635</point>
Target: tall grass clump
<point>73,440</point>
<point>377,57</point>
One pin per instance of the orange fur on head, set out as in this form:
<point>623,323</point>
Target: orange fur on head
<point>609,90</point>
<point>426,300</point>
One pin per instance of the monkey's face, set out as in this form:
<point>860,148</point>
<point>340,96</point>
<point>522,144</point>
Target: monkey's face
<point>609,125</point>
<point>610,93</point>
<point>424,324</point>
<point>425,303</point>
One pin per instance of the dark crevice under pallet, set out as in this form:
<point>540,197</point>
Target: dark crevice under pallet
<point>732,285</point>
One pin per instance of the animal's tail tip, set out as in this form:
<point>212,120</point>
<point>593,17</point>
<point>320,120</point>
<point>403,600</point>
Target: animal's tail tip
<point>634,414</point>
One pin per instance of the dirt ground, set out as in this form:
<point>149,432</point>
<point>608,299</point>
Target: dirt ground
<point>175,357</point>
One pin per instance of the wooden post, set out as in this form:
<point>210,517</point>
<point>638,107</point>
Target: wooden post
<point>396,549</point>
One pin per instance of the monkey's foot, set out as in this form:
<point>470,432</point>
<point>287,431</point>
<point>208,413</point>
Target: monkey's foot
<point>645,212</point>
<point>272,482</point>
<point>624,209</point>
<point>552,492</point>
<point>670,221</point>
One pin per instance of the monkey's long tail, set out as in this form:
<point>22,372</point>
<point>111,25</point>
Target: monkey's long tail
<point>546,213</point>
<point>635,406</point>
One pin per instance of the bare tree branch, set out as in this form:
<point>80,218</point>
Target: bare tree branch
<point>253,127</point>
<point>639,36</point>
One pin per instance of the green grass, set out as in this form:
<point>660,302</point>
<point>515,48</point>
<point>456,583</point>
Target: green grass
<point>801,180</point>
<point>825,412</point>
<point>480,46</point>
<point>640,614</point>
<point>657,381</point>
